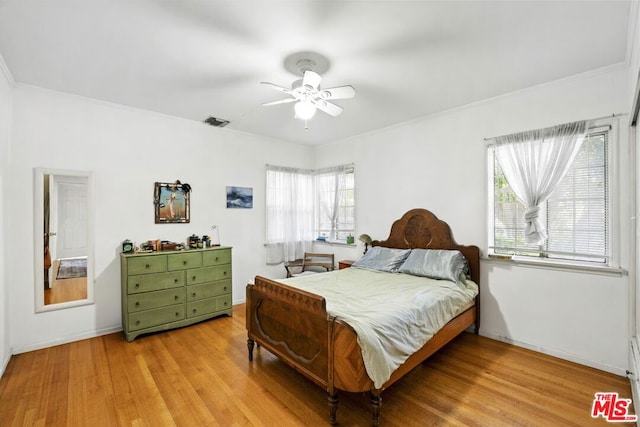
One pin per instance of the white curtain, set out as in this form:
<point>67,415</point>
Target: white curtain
<point>534,162</point>
<point>289,199</point>
<point>330,184</point>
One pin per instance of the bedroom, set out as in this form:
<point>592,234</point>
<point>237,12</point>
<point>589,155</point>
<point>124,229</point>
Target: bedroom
<point>128,149</point>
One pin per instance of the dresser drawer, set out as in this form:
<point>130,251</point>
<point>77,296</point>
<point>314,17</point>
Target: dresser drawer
<point>154,282</point>
<point>184,260</point>
<point>149,300</point>
<point>208,274</point>
<point>208,290</point>
<point>155,317</point>
<point>146,264</point>
<point>216,257</point>
<point>208,306</point>
<point>223,302</point>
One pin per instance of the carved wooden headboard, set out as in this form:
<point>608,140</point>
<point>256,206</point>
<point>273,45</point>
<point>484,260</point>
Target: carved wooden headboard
<point>421,229</point>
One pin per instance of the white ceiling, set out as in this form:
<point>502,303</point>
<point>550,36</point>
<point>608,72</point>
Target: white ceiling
<point>406,59</point>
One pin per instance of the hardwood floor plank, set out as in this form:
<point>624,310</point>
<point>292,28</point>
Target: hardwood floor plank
<point>200,375</point>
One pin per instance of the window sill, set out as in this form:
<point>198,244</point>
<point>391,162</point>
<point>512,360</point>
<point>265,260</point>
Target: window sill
<point>556,265</point>
<point>334,243</point>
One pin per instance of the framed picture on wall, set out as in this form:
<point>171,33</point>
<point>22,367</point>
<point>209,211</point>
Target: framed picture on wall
<point>171,203</point>
<point>240,197</point>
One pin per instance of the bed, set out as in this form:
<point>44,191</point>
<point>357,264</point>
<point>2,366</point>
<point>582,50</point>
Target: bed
<point>295,325</point>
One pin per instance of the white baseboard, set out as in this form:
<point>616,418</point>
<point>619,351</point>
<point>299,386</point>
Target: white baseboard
<point>559,354</point>
<point>66,340</point>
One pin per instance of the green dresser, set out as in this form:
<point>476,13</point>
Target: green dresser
<point>165,290</point>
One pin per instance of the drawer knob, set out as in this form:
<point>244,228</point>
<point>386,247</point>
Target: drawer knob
<point>137,303</point>
<point>194,310</point>
<point>137,285</point>
<point>224,273</point>
<point>193,294</point>
<point>175,280</point>
<point>217,259</point>
<point>225,288</point>
<point>177,297</point>
<point>225,303</point>
<point>193,278</point>
<point>177,314</point>
<point>184,262</point>
<point>137,322</point>
<point>147,266</point>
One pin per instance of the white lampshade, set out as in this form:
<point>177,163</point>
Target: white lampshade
<point>304,110</point>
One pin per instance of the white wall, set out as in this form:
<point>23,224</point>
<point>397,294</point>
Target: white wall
<point>439,163</point>
<point>129,150</point>
<point>6,96</point>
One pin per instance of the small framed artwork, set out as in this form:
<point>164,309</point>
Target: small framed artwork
<point>171,203</point>
<point>240,197</point>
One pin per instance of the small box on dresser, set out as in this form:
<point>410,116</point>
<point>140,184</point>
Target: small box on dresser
<point>166,290</point>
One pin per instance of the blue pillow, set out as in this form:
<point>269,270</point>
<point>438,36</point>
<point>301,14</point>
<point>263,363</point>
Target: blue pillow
<point>383,259</point>
<point>436,264</point>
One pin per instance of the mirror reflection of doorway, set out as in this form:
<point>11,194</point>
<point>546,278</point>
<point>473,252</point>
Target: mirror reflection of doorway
<point>65,238</point>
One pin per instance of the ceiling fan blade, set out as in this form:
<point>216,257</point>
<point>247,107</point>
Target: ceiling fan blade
<point>277,87</point>
<point>339,92</point>
<point>282,101</point>
<point>312,79</point>
<point>329,107</point>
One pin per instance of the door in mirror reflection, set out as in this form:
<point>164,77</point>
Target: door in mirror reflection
<point>65,240</point>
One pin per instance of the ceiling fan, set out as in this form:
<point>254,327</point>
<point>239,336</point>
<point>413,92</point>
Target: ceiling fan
<point>307,93</point>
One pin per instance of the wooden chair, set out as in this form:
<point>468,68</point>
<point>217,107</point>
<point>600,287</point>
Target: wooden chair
<point>311,263</point>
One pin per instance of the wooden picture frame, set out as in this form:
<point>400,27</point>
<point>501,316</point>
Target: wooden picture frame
<point>171,203</point>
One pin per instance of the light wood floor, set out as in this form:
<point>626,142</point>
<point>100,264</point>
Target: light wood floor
<point>200,375</point>
<point>64,290</point>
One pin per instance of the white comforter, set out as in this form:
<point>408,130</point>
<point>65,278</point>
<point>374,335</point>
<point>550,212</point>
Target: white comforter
<point>393,314</point>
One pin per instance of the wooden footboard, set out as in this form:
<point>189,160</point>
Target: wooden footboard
<point>292,324</point>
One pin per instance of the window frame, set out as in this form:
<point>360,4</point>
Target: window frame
<point>613,221</point>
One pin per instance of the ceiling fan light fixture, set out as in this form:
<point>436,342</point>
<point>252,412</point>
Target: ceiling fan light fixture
<point>304,109</point>
<point>306,92</point>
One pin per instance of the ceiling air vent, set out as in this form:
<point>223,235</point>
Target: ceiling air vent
<point>213,121</point>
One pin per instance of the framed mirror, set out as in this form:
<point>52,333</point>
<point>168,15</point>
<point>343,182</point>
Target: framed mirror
<point>63,238</point>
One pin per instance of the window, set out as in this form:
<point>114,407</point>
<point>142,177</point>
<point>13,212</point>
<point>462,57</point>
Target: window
<point>335,207</point>
<point>303,204</point>
<point>576,214</point>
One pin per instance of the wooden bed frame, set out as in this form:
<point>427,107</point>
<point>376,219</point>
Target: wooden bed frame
<point>294,325</point>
